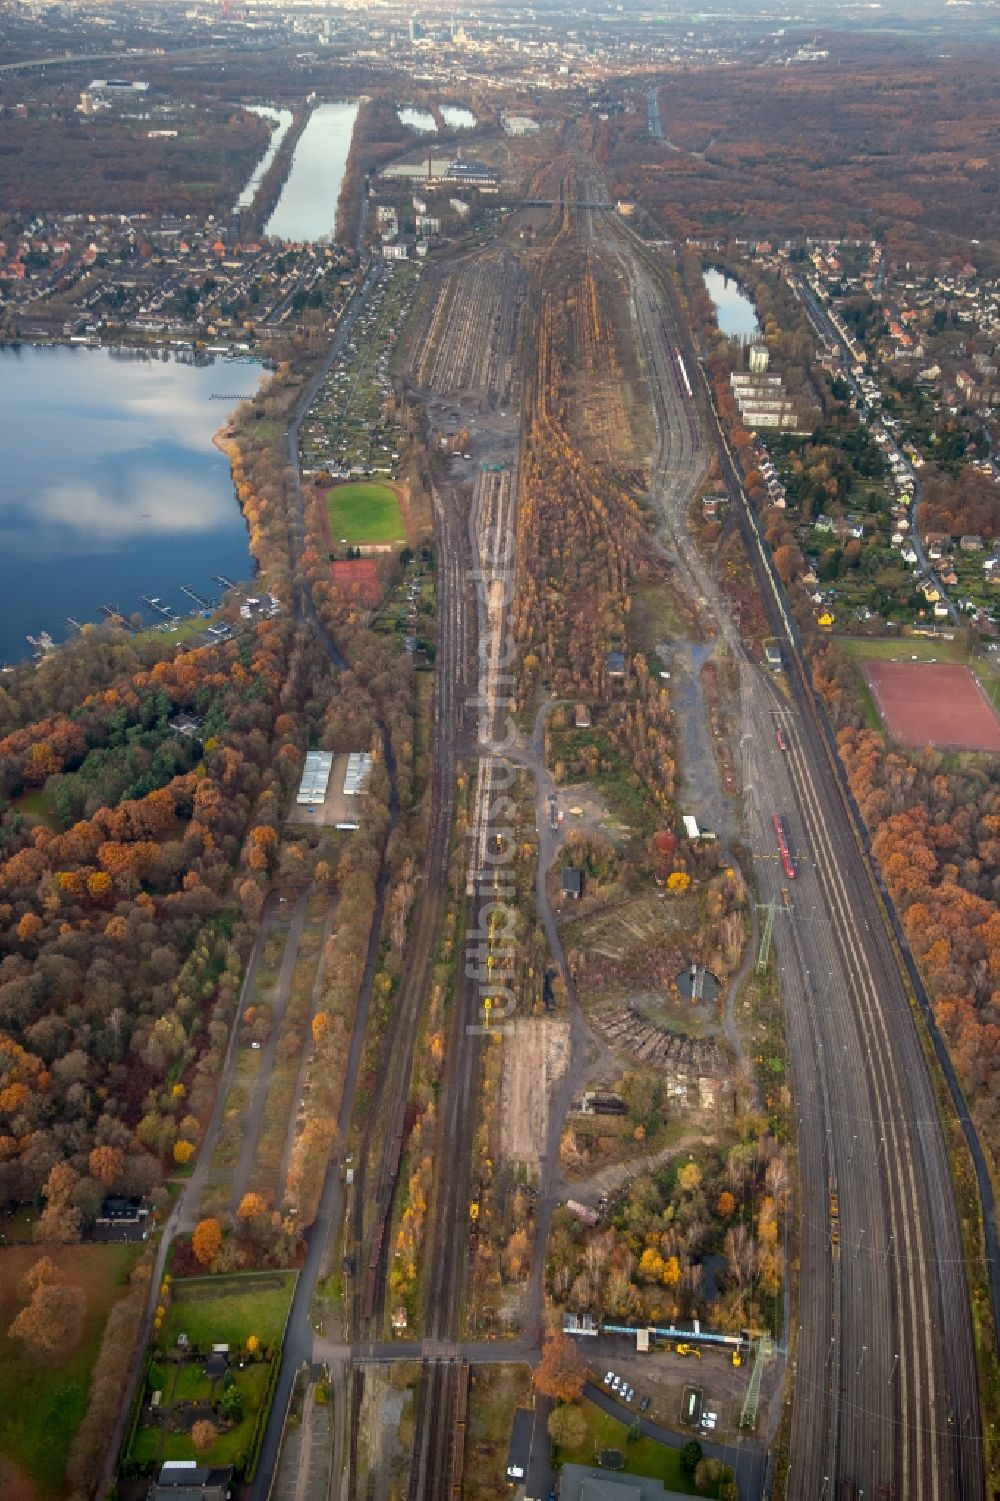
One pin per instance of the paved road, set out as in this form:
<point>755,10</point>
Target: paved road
<point>184,1215</point>
<point>253,1118</point>
<point>298,1347</point>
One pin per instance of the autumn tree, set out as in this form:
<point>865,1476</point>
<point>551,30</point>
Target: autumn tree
<point>50,1324</point>
<point>252,1208</point>
<point>206,1241</point>
<point>689,1177</point>
<point>59,1222</point>
<point>561,1372</point>
<point>203,1435</point>
<point>707,1475</point>
<point>106,1164</point>
<point>567,1425</point>
<point>41,1271</point>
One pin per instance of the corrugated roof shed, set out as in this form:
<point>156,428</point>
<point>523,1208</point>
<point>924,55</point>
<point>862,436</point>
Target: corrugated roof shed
<point>315,777</point>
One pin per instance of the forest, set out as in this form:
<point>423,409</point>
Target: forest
<point>582,543</point>
<point>868,143</point>
<point>648,1263</point>
<point>122,937</point>
<point>104,165</point>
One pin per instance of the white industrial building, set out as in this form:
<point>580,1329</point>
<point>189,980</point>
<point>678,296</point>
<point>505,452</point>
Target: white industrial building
<point>359,769</point>
<point>519,125</point>
<point>315,777</point>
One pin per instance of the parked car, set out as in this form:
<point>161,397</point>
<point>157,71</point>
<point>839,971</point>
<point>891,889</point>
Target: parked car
<point>609,1378</point>
<point>644,1404</point>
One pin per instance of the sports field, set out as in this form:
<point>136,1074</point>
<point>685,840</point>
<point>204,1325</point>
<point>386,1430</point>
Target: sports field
<point>933,703</point>
<point>364,512</point>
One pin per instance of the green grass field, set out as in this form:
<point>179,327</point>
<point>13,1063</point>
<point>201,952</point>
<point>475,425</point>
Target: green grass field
<point>227,1310</point>
<point>364,512</point>
<point>643,1457</point>
<point>901,649</point>
<point>39,805</point>
<point>186,1383</point>
<point>42,1404</point>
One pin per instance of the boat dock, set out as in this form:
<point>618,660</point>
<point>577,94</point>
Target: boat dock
<point>155,603</point>
<point>199,599</point>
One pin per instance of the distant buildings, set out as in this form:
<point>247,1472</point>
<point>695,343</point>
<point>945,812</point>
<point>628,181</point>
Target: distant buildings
<point>520,125</point>
<point>434,170</point>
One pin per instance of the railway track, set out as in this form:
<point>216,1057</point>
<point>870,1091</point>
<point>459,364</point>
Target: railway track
<point>885,1387</point>
<point>381,1152</point>
<point>884,1397</point>
<point>468,345</point>
<point>439,1442</point>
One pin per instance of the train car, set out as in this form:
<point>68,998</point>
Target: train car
<point>683,372</point>
<point>779,737</point>
<point>786,859</point>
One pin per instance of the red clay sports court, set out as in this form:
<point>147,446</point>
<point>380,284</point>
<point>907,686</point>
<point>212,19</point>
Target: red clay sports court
<point>933,703</point>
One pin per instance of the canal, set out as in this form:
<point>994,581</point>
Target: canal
<point>734,311</point>
<point>112,487</point>
<point>307,208</point>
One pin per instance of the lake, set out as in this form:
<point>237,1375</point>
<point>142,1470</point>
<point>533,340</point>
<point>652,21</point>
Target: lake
<point>307,208</point>
<point>458,118</point>
<point>734,312</point>
<point>283,119</point>
<point>111,486</point>
<point>416,119</point>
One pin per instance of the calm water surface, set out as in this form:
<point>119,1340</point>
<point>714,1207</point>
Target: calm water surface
<point>458,118</point>
<point>416,119</point>
<point>734,311</point>
<point>282,119</point>
<point>307,208</point>
<point>111,487</point>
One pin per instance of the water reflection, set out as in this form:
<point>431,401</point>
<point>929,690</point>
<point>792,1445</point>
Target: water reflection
<point>416,119</point>
<point>283,119</point>
<point>734,312</point>
<point>457,117</point>
<point>111,486</point>
<point>307,208</point>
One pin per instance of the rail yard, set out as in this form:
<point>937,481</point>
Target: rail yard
<point>882,1402</point>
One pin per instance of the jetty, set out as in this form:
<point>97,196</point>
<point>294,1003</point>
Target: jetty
<point>155,603</point>
<point>199,599</point>
<point>220,578</point>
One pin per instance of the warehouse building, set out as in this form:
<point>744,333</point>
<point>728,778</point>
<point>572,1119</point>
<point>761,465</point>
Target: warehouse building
<point>359,769</point>
<point>315,777</point>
